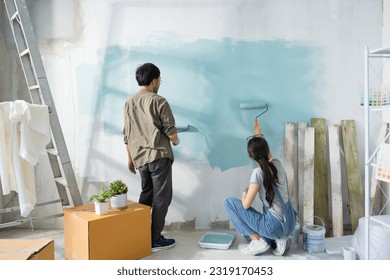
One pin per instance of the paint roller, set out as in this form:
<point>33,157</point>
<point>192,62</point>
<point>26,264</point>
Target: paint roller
<point>182,128</point>
<point>252,106</point>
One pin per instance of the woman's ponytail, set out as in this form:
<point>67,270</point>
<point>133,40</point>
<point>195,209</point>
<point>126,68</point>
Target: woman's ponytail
<point>258,150</point>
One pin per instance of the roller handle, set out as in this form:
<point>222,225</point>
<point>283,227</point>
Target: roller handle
<point>257,128</point>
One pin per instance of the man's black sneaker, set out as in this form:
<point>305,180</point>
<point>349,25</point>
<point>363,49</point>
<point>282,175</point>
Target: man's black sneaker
<point>162,244</point>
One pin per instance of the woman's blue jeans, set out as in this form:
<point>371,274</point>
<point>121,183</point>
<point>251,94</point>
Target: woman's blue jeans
<point>266,225</point>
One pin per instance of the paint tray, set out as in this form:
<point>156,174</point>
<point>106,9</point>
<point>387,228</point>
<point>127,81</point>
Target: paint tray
<point>215,240</point>
<point>334,244</point>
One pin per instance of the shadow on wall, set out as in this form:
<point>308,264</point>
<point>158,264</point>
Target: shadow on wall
<point>205,81</point>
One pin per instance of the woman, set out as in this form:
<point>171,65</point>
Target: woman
<point>275,224</point>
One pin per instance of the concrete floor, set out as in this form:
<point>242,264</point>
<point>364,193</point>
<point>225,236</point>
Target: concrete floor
<point>187,247</point>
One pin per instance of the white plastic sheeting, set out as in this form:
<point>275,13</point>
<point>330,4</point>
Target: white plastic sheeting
<point>379,237</point>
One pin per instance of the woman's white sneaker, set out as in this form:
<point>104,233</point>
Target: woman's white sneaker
<point>255,247</point>
<point>282,246</point>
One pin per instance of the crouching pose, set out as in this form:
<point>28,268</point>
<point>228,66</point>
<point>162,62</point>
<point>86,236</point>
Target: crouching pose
<point>273,226</point>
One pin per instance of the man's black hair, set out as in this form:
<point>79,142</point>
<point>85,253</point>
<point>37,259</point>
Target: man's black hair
<point>146,73</point>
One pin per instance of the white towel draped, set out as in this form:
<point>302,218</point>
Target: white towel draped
<point>24,134</point>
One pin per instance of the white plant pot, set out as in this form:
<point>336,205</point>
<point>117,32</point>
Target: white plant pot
<point>119,201</point>
<point>101,208</point>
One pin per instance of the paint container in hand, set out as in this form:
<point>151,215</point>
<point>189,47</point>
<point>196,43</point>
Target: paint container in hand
<point>314,236</point>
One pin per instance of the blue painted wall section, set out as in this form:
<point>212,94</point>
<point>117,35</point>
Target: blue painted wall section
<point>205,81</point>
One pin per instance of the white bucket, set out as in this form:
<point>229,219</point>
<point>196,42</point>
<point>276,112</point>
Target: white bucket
<point>314,237</point>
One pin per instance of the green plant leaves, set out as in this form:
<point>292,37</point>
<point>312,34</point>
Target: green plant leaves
<point>102,197</point>
<point>117,187</point>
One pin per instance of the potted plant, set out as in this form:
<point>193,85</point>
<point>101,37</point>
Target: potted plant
<point>118,191</point>
<point>101,201</point>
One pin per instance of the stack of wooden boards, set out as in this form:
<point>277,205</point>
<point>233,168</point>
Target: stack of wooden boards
<point>319,163</point>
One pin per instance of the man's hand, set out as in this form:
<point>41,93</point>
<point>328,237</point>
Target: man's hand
<point>131,167</point>
<point>174,139</point>
<point>130,164</point>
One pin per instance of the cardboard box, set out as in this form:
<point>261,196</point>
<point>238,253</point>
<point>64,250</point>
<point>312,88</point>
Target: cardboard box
<point>119,235</point>
<point>27,249</point>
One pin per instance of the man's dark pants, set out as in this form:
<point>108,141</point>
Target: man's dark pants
<point>156,182</point>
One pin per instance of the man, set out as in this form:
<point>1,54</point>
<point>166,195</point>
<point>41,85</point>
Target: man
<point>148,133</point>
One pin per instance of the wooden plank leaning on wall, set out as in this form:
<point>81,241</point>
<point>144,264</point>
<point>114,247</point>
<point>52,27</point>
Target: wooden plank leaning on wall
<point>308,177</point>
<point>321,206</point>
<point>301,153</point>
<point>352,167</point>
<point>335,180</point>
<point>290,159</point>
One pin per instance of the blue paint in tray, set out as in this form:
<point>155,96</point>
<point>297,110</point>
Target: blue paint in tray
<point>215,240</point>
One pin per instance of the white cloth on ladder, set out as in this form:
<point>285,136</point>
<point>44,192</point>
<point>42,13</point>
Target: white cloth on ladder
<point>24,133</point>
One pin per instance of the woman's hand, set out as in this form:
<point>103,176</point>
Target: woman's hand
<point>248,195</point>
<point>244,193</point>
<point>258,130</point>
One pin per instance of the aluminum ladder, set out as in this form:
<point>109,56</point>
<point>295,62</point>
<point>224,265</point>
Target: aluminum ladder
<point>39,90</point>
